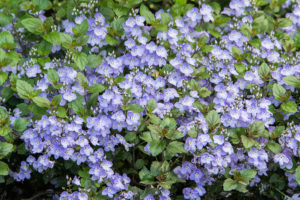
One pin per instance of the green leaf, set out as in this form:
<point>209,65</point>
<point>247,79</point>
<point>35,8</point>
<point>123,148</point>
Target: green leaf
<point>81,29</point>
<point>135,108</point>
<point>82,79</point>
<point>3,168</point>
<point>176,147</point>
<point>56,100</point>
<point>24,89</point>
<point>5,149</point>
<point>151,105</point>
<point>33,25</point>
<point>77,105</point>
<point>94,60</point>
<point>130,136</point>
<point>174,134</point>
<point>274,147</point>
<point>289,107</point>
<point>3,77</point>
<point>248,173</point>
<point>111,40</point>
<point>207,48</point>
<point>292,81</point>
<point>246,30</point>
<point>7,40</point>
<point>149,137</point>
<point>192,132</point>
<point>165,18</point>
<point>264,70</point>
<point>255,42</point>
<point>229,184</point>
<point>247,142</point>
<point>240,68</point>
<point>4,116</point>
<point>5,19</point>
<point>277,131</point>
<point>241,188</point>
<point>108,13</point>
<point>297,175</point>
<point>52,76</point>
<point>117,25</point>
<point>257,128</point>
<point>42,4</point>
<point>81,40</point>
<point>214,32</point>
<point>284,22</point>
<point>92,101</point>
<point>52,37</point>
<point>157,146</point>
<point>261,2</point>
<point>204,92</point>
<point>20,124</point>
<point>4,131</point>
<point>41,102</point>
<point>279,92</point>
<point>139,164</point>
<point>154,119</point>
<point>213,119</point>
<point>168,122</point>
<point>81,60</point>
<point>145,12</point>
<point>119,79</point>
<point>237,53</point>
<point>215,6</point>
<point>61,112</point>
<point>146,177</point>
<point>96,88</point>
<point>44,48</point>
<point>181,2</point>
<point>155,168</point>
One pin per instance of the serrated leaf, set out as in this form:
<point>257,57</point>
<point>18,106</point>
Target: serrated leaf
<point>248,173</point>
<point>81,29</point>
<point>135,108</point>
<point>20,124</point>
<point>297,175</point>
<point>81,60</point>
<point>278,92</point>
<point>5,149</point>
<point>145,12</point>
<point>229,184</point>
<point>52,37</point>
<point>3,77</point>
<point>176,147</point>
<point>96,88</point>
<point>247,142</point>
<point>41,102</point>
<point>33,25</point>
<point>151,105</point>
<point>24,89</point>
<point>292,81</point>
<point>82,79</point>
<point>274,147</point>
<point>213,119</point>
<point>94,60</point>
<point>289,107</point>
<point>52,76</point>
<point>3,169</point>
<point>157,146</point>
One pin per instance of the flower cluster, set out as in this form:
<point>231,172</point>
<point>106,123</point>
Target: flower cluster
<point>133,104</point>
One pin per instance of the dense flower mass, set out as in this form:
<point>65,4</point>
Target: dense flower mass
<point>114,100</point>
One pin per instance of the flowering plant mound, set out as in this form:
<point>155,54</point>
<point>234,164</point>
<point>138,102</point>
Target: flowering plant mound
<point>158,99</point>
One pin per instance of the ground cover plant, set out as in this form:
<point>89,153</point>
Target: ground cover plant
<point>158,99</point>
